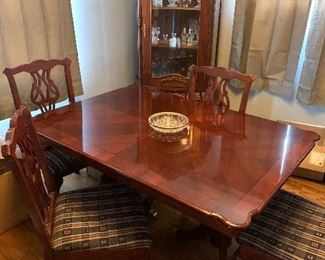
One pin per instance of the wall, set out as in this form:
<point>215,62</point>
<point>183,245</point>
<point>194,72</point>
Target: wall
<point>262,103</point>
<point>106,34</point>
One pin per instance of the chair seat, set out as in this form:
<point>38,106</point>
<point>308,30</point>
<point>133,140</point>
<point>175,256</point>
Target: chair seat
<point>290,227</point>
<point>106,216</point>
<point>62,164</point>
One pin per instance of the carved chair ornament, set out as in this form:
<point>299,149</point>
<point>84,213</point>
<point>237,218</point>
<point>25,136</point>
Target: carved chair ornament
<point>44,92</point>
<point>216,80</point>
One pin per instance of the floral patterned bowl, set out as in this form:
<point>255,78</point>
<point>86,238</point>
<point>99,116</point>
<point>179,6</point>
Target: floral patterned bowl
<point>168,122</point>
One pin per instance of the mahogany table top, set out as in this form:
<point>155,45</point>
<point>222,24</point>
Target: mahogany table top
<point>222,172</point>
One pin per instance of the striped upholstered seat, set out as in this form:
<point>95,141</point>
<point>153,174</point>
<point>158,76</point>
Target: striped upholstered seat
<point>107,216</point>
<point>62,164</point>
<point>290,227</point>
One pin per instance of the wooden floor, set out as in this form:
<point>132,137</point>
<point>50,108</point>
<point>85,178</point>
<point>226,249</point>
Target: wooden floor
<point>21,242</point>
<point>312,190</point>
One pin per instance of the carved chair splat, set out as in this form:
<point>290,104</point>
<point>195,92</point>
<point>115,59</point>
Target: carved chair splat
<point>44,92</point>
<point>214,81</point>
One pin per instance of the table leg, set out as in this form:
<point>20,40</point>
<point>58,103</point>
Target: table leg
<point>193,233</point>
<point>220,241</point>
<point>217,239</point>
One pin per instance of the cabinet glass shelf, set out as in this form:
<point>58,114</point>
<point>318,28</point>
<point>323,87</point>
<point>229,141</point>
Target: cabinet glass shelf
<point>177,8</point>
<point>175,36</point>
<point>182,46</point>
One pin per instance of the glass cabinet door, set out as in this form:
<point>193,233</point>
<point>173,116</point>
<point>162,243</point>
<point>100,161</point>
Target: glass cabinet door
<point>175,35</point>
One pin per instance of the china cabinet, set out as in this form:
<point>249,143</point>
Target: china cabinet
<point>173,34</point>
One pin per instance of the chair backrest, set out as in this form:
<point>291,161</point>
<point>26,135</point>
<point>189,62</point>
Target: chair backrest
<point>33,174</point>
<point>213,81</point>
<point>44,92</point>
<point>173,83</point>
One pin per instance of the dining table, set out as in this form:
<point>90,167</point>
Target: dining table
<point>222,170</point>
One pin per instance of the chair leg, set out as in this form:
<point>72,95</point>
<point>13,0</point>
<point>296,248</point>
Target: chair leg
<point>152,213</point>
<point>236,254</point>
<point>48,254</point>
<point>244,253</point>
<point>220,241</point>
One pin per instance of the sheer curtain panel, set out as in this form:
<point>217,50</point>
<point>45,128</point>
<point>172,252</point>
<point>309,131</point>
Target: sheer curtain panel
<point>312,82</point>
<point>267,40</point>
<point>31,30</point>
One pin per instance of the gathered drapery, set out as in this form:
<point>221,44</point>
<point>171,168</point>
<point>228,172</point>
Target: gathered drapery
<point>312,81</point>
<point>267,40</point>
<point>32,30</point>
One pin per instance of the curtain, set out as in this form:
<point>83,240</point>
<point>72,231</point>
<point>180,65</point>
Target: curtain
<point>267,40</point>
<point>311,88</point>
<point>31,30</point>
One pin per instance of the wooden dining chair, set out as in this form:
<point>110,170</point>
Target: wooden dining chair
<point>104,222</point>
<point>44,94</point>
<point>290,227</point>
<point>210,84</point>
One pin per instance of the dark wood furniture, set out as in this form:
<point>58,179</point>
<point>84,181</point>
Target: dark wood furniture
<point>160,56</point>
<point>290,227</point>
<point>44,94</point>
<point>173,83</point>
<point>222,175</point>
<point>212,83</point>
<point>103,222</point>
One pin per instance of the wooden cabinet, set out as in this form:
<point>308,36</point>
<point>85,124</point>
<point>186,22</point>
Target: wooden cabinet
<point>172,36</point>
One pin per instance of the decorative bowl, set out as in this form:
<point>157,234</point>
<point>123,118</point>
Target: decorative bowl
<point>174,137</point>
<point>172,3</point>
<point>168,122</point>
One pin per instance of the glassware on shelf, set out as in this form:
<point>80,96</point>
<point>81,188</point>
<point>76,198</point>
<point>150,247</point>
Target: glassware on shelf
<point>165,37</point>
<point>194,25</point>
<point>190,37</point>
<point>155,35</point>
<point>174,36</point>
<point>176,64</point>
<point>178,42</point>
<point>173,40</point>
<point>172,3</point>
<point>185,3</point>
<point>196,35</point>
<point>184,36</point>
<point>157,3</point>
<point>158,32</point>
<point>198,4</point>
